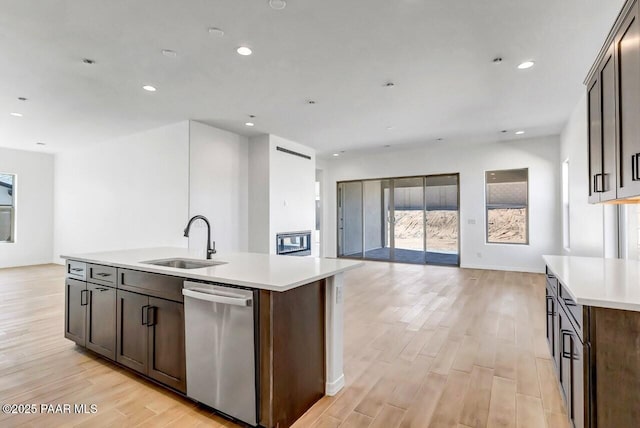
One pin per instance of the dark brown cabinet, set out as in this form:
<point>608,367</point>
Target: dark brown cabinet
<point>150,337</point>
<point>101,320</point>
<point>627,46</point>
<point>76,300</point>
<point>132,314</point>
<point>602,131</point>
<point>613,96</point>
<point>167,362</point>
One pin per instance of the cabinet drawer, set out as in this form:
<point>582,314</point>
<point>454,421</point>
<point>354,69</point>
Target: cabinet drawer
<point>76,270</point>
<point>102,275</point>
<point>574,310</point>
<point>152,284</point>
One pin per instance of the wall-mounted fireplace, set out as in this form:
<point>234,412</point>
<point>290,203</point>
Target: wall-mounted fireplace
<point>294,243</point>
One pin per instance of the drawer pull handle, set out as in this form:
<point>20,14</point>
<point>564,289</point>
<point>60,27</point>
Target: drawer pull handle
<point>635,174</point>
<point>77,269</point>
<point>103,274</point>
<point>84,301</point>
<point>145,315</point>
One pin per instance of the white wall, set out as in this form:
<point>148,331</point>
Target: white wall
<point>259,213</point>
<point>281,191</point>
<point>127,193</point>
<point>292,189</point>
<point>540,155</point>
<point>33,205</point>
<point>586,220</point>
<point>218,186</point>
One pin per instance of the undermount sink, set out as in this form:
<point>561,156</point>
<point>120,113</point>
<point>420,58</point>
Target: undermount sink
<point>184,263</point>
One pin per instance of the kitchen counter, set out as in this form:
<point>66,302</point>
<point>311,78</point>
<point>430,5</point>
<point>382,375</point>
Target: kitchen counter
<point>599,282</point>
<point>261,271</point>
<point>298,313</point>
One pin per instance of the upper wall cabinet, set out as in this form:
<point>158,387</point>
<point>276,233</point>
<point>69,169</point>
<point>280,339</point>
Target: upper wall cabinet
<point>627,43</point>
<point>613,95</point>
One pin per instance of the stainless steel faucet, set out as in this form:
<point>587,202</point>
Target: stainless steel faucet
<point>211,245</point>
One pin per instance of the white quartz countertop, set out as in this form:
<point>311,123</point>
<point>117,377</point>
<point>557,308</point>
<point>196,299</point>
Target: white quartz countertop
<point>593,281</point>
<point>262,271</point>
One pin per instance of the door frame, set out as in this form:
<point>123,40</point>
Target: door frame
<point>340,203</point>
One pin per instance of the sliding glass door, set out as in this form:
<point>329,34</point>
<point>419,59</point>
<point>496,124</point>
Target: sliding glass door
<point>408,219</point>
<point>441,219</point>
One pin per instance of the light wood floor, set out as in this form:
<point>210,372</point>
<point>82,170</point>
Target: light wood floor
<point>425,346</point>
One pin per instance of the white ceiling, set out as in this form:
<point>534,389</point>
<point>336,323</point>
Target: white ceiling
<point>338,53</point>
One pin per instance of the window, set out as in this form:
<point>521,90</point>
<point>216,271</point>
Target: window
<point>507,203</point>
<point>7,207</point>
<point>566,240</point>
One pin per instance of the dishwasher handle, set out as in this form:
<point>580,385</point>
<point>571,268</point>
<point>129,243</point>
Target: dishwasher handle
<point>215,297</point>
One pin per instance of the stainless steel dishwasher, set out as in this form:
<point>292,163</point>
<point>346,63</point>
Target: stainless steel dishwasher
<point>220,348</point>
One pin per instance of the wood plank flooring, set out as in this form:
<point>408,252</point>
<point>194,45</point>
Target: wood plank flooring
<point>425,346</point>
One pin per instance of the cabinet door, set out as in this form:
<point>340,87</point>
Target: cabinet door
<point>564,369</point>
<point>551,306</point>
<point>627,45</point>
<point>595,139</point>
<point>607,183</point>
<point>577,394</point>
<point>132,314</point>
<point>166,343</point>
<point>101,320</point>
<point>75,310</point>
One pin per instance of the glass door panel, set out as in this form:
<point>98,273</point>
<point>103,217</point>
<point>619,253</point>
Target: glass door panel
<point>350,219</point>
<point>408,220</point>
<point>441,219</point>
<point>376,214</point>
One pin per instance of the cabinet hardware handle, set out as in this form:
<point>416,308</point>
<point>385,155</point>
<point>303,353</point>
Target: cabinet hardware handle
<point>563,352</point>
<point>151,316</point>
<point>103,274</point>
<point>550,311</point>
<point>145,315</point>
<point>569,302</point>
<point>102,289</point>
<point>84,301</point>
<point>77,269</point>
<point>635,173</point>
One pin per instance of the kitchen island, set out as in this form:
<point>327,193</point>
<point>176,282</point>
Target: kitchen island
<point>130,308</point>
<point>593,331</point>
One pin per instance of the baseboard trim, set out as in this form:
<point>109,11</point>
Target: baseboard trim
<point>505,268</point>
<point>332,388</point>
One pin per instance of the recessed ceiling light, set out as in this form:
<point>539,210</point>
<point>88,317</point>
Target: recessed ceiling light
<point>40,143</point>
<point>249,124</point>
<point>169,53</point>
<point>336,154</point>
<point>215,31</point>
<point>244,51</point>
<point>519,132</point>
<point>525,65</point>
<point>16,114</point>
<point>149,88</point>
<point>277,4</point>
